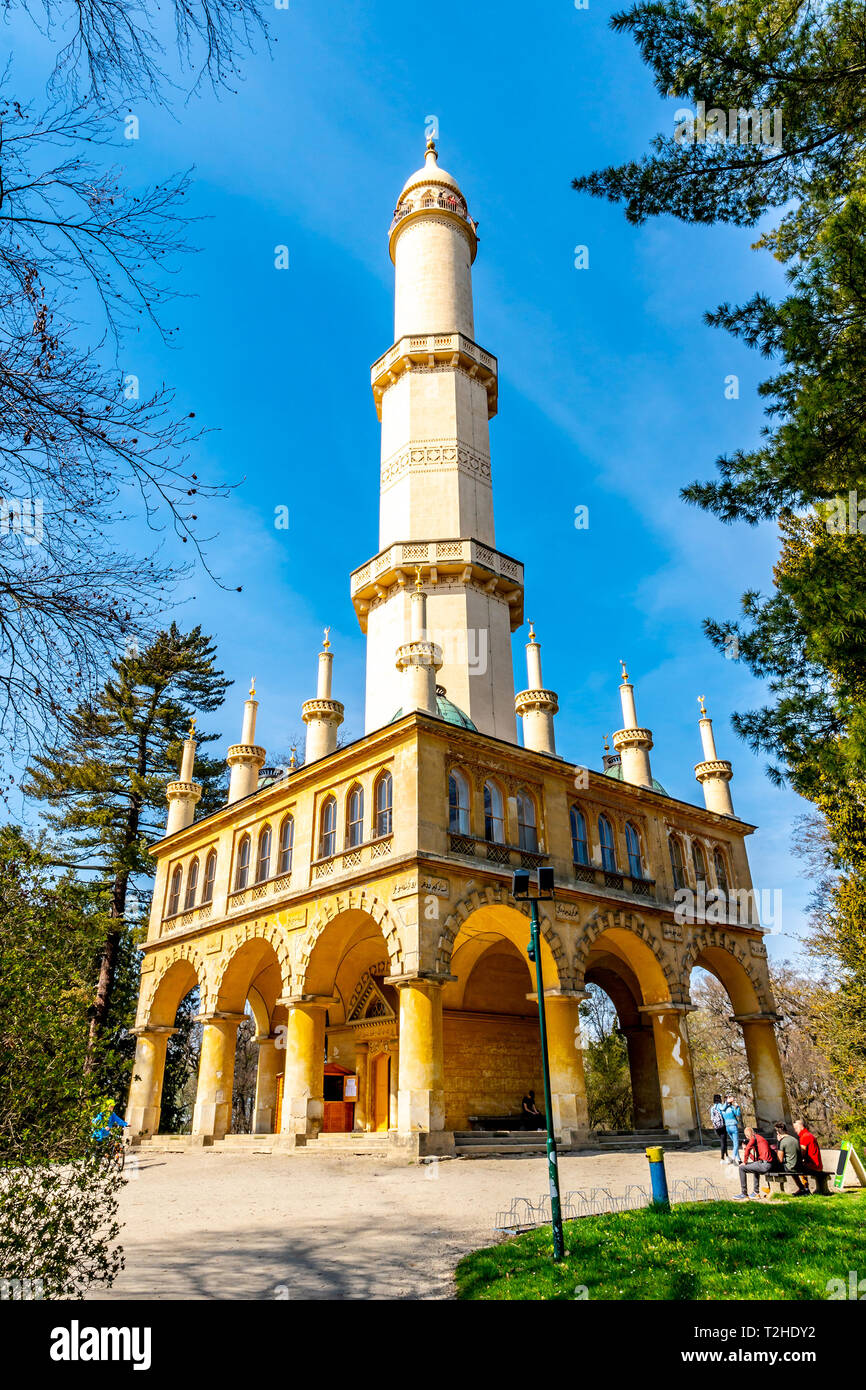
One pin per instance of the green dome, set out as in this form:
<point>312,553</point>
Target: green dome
<point>446,710</point>
<point>616,773</point>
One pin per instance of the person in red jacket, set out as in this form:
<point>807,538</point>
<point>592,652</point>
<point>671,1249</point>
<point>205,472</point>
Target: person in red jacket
<point>757,1159</point>
<point>811,1160</point>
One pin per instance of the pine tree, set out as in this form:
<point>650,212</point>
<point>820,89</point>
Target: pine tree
<point>105,783</point>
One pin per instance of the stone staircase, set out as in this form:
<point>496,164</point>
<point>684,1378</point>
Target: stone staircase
<point>634,1140</point>
<point>493,1143</point>
<point>341,1143</point>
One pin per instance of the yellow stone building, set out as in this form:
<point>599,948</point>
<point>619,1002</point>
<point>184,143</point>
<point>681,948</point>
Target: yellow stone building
<point>359,905</point>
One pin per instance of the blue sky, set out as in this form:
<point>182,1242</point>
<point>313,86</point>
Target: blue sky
<point>611,388</point>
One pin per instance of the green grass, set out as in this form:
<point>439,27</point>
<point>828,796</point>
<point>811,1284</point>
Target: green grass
<point>785,1248</point>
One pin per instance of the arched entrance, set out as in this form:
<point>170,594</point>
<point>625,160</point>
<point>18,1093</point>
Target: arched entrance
<point>491,1043</point>
<point>608,971</point>
<point>342,1032</point>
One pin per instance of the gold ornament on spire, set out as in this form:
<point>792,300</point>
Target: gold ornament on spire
<point>253,688</point>
<point>701,699</point>
<point>532,632</point>
<point>191,733</point>
<point>327,642</point>
<point>624,672</point>
<point>418,578</point>
<point>293,760</point>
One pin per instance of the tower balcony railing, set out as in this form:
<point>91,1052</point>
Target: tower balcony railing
<point>601,877</point>
<point>441,202</point>
<point>470,846</point>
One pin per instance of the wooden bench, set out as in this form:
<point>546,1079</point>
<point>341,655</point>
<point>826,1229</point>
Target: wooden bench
<point>822,1180</point>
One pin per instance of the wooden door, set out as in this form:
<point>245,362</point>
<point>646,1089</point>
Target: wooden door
<point>381,1090</point>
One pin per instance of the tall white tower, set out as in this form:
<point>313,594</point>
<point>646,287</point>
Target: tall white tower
<point>435,391</point>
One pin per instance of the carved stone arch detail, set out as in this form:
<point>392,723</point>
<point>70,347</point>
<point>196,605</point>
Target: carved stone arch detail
<point>600,922</point>
<point>703,937</point>
<point>494,895</point>
<point>250,931</point>
<point>354,900</point>
<point>182,950</point>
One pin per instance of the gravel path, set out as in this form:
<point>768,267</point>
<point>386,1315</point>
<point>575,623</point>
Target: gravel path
<point>208,1225</point>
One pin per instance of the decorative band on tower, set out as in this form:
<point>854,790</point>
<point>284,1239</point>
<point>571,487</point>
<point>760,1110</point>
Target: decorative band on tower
<point>535,705</point>
<point>184,794</point>
<point>247,758</point>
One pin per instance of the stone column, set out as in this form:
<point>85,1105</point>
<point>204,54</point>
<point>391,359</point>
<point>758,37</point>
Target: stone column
<point>567,1084</point>
<point>646,1100</point>
<point>268,1069</point>
<point>362,1060</point>
<point>768,1083</point>
<point>145,1091</point>
<point>304,1086</point>
<point>394,1087</point>
<point>674,1067</point>
<point>212,1116</point>
<point>421,1093</point>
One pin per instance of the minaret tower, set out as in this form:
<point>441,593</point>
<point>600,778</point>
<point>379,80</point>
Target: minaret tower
<point>419,659</point>
<point>246,759</point>
<point>535,705</point>
<point>631,742</point>
<point>714,774</point>
<point>323,715</point>
<point>435,391</point>
<point>183,795</point>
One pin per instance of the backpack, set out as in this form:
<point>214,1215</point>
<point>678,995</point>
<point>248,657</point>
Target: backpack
<point>716,1118</point>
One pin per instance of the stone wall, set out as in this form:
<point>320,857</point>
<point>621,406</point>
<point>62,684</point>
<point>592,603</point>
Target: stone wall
<point>491,1061</point>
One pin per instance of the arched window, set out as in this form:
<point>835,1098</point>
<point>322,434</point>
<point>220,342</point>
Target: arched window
<point>632,845</point>
<point>677,862</point>
<point>527,827</point>
<point>243,870</point>
<point>287,841</point>
<point>209,877</point>
<point>699,862</point>
<point>191,885</point>
<point>328,828</point>
<point>579,846</point>
<point>174,891</point>
<point>494,817</point>
<point>606,841</point>
<point>263,858</point>
<point>355,817</point>
<point>384,805</point>
<point>458,804</point>
<point>721,870</point>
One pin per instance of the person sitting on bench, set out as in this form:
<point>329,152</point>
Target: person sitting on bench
<point>810,1154</point>
<point>532,1116</point>
<point>757,1159</point>
<point>789,1154</point>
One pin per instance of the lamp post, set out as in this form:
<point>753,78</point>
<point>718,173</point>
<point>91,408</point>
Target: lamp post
<point>520,893</point>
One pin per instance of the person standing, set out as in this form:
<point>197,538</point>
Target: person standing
<point>731,1113</point>
<point>757,1159</point>
<point>789,1153</point>
<point>718,1124</point>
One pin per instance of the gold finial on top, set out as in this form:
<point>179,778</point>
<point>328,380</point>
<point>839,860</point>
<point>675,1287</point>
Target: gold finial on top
<point>293,760</point>
<point>624,671</point>
<point>701,700</point>
<point>253,688</point>
<point>532,632</point>
<point>606,744</point>
<point>327,642</point>
<point>418,577</point>
<point>431,145</point>
<point>191,733</point>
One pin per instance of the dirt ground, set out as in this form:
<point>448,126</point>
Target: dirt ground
<point>208,1225</point>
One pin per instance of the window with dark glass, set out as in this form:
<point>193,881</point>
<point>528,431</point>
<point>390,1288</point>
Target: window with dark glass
<point>721,870</point>
<point>174,891</point>
<point>458,804</point>
<point>384,805</point>
<point>606,843</point>
<point>494,817</point>
<point>243,870</point>
<point>632,845</point>
<point>328,829</point>
<point>263,858</point>
<point>191,885</point>
<point>677,866</point>
<point>527,828</point>
<point>355,817</point>
<point>209,877</point>
<point>287,841</point>
<point>579,845</point>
